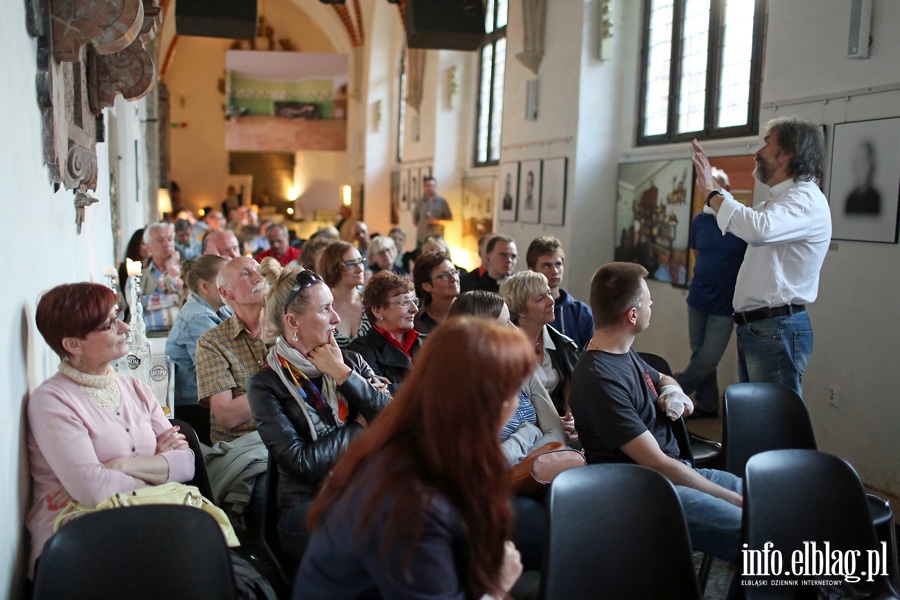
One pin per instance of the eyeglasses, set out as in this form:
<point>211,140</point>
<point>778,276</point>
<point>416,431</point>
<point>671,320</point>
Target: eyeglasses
<point>404,304</point>
<point>112,322</point>
<point>304,279</point>
<point>352,264</point>
<point>445,277</point>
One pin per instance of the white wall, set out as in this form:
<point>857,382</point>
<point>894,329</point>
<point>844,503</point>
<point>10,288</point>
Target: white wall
<point>40,250</point>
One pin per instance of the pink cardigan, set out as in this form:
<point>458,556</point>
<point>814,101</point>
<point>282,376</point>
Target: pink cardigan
<point>70,437</point>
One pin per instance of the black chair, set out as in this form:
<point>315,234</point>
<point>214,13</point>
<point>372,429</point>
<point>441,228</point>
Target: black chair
<point>793,498</point>
<point>703,452</point>
<point>769,416</point>
<point>154,551</point>
<point>617,531</point>
<point>201,477</point>
<point>269,529</point>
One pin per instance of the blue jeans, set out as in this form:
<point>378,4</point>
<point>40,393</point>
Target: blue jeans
<point>709,335</point>
<point>775,350</point>
<point>714,524</point>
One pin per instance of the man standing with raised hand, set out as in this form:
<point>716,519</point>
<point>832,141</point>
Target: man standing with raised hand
<point>787,235</point>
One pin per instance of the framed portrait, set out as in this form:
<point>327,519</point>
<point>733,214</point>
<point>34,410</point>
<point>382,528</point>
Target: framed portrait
<point>553,191</point>
<point>415,188</point>
<point>653,212</point>
<point>395,197</point>
<point>404,190</point>
<point>737,179</point>
<point>865,181</point>
<point>530,191</point>
<point>509,191</point>
<point>477,210</point>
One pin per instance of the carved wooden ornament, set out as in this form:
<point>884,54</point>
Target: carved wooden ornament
<point>88,51</point>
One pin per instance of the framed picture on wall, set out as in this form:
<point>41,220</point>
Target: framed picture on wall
<point>395,197</point>
<point>553,191</point>
<point>509,191</point>
<point>653,213</point>
<point>530,192</point>
<point>865,181</point>
<point>404,190</point>
<point>415,188</point>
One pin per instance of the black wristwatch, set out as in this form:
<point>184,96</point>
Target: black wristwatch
<point>712,195</point>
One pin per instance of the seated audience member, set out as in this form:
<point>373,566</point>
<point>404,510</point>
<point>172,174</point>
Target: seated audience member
<point>311,399</point>
<point>392,344</point>
<point>343,270</point>
<point>531,305</point>
<point>501,254</point>
<point>467,280</point>
<point>162,275</point>
<point>221,243</point>
<point>382,252</point>
<point>187,245</point>
<point>399,236</point>
<point>227,355</point>
<point>437,282</point>
<point>91,432</point>
<point>138,251</point>
<point>330,233</point>
<point>571,317</point>
<point>311,252</point>
<point>212,220</point>
<point>436,511</point>
<point>534,424</point>
<point>359,236</point>
<point>203,310</point>
<point>623,410</point>
<point>279,247</point>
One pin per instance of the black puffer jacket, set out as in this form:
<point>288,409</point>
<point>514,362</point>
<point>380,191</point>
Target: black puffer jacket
<point>386,359</point>
<point>303,462</point>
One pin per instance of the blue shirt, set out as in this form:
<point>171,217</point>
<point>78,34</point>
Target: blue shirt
<point>194,319</point>
<point>192,249</point>
<point>719,259</point>
<point>573,318</point>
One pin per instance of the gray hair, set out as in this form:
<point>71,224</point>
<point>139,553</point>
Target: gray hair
<point>148,231</point>
<point>380,244</point>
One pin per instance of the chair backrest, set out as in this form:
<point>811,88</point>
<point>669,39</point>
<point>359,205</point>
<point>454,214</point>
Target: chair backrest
<point>201,477</point>
<point>679,429</point>
<point>760,417</point>
<point>156,551</point>
<point>617,531</point>
<point>269,529</point>
<point>796,498</point>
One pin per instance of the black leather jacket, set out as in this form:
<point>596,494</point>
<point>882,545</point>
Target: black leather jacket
<point>386,359</point>
<point>302,462</point>
<point>563,358</point>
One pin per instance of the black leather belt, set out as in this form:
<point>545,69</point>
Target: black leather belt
<point>759,314</point>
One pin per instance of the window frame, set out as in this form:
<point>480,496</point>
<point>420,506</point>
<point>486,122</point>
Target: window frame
<point>491,39</point>
<point>714,57</point>
<point>401,106</point>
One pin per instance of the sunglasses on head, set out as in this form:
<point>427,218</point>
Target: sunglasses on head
<point>303,280</point>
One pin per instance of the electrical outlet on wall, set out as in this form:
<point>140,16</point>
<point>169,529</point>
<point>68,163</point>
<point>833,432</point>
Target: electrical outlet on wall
<point>834,395</point>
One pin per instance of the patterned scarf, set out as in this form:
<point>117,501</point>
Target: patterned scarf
<point>325,410</point>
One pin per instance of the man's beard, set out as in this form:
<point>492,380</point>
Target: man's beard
<point>762,172</point>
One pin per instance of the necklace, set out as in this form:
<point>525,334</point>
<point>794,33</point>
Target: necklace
<point>591,344</point>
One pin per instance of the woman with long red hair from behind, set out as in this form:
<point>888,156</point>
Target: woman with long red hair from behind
<point>419,505</point>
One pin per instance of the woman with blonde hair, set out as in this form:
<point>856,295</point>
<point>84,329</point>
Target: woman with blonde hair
<point>437,514</point>
<point>381,255</point>
<point>343,270</point>
<point>202,310</point>
<point>528,295</point>
<point>311,399</point>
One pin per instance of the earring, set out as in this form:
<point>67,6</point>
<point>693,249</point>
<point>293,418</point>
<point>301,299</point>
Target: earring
<point>295,335</point>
